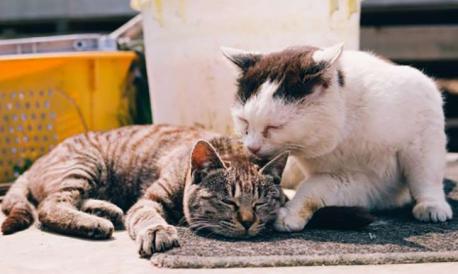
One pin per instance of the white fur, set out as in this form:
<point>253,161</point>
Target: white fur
<point>376,142</point>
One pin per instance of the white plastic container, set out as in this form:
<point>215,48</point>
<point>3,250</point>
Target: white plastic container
<point>191,83</point>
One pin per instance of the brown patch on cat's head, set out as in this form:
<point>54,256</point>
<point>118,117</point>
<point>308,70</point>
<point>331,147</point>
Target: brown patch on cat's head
<point>295,69</point>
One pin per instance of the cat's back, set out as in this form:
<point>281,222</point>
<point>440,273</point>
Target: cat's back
<point>125,141</point>
<point>147,138</point>
<point>390,101</point>
<point>367,73</point>
<point>114,159</point>
<point>133,149</point>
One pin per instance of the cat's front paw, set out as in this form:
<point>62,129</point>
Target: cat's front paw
<point>92,227</point>
<point>105,210</point>
<point>289,221</point>
<point>433,211</point>
<point>156,238</point>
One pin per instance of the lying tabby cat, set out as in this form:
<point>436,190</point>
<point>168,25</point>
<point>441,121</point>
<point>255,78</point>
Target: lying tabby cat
<point>159,174</point>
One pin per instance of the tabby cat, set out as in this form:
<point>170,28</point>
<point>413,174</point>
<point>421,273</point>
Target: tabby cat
<point>72,185</point>
<point>161,174</point>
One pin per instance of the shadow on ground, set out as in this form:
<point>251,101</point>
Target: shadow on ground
<point>393,231</point>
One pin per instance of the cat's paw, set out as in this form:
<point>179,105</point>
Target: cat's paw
<point>94,228</point>
<point>433,211</point>
<point>288,221</point>
<point>156,238</point>
<point>105,210</point>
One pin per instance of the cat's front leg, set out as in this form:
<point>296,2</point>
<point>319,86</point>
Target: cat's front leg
<point>156,238</point>
<point>146,225</point>
<point>313,194</point>
<point>290,218</point>
<point>105,210</point>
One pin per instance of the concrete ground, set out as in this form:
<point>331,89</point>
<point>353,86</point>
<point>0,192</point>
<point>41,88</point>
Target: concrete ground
<point>35,251</point>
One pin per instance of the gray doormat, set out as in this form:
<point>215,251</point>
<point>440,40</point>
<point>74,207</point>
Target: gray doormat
<point>394,238</point>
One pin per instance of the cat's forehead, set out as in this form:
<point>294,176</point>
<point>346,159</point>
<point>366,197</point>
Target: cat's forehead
<point>241,176</point>
<point>263,108</point>
<point>244,168</point>
<point>278,74</point>
<point>244,179</point>
<point>275,65</point>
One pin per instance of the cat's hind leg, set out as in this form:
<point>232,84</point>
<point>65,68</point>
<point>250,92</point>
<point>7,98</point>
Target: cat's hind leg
<point>18,210</point>
<point>59,212</point>
<point>423,165</point>
<point>105,210</point>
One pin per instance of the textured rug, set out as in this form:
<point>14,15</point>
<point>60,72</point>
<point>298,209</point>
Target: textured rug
<point>394,238</point>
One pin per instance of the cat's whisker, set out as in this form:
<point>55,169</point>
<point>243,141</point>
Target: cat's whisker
<point>208,228</point>
<point>295,146</point>
<point>202,224</point>
<point>200,221</point>
<point>227,224</point>
<point>258,228</point>
<point>182,221</point>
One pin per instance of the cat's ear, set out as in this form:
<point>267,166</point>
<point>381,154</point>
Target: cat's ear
<point>205,157</point>
<point>275,167</point>
<point>328,56</point>
<point>242,59</point>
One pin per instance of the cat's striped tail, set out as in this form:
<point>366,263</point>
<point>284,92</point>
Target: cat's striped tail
<point>18,210</point>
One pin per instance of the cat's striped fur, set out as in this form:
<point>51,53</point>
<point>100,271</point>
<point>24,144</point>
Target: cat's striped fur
<point>147,166</point>
<point>159,174</point>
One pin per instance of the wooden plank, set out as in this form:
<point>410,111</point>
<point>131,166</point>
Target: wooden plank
<point>449,85</point>
<point>396,5</point>
<point>413,42</point>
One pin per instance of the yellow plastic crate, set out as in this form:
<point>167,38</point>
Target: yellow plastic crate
<point>41,96</point>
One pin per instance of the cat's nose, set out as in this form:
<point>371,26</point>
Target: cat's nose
<point>246,218</point>
<point>254,149</point>
<point>246,224</point>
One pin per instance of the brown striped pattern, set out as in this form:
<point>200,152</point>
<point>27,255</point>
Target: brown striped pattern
<point>83,186</point>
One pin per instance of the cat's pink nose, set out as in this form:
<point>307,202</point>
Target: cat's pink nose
<point>254,149</point>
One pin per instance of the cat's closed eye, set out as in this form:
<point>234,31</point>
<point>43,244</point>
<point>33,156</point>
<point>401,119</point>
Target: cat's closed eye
<point>268,129</point>
<point>259,205</point>
<point>245,123</point>
<point>230,203</point>
<point>207,197</point>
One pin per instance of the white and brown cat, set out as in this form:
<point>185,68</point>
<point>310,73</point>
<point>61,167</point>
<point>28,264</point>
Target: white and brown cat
<point>368,132</point>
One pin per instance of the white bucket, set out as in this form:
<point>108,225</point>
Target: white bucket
<point>191,83</point>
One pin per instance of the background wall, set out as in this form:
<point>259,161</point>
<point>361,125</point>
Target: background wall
<point>30,17</point>
<point>421,33</point>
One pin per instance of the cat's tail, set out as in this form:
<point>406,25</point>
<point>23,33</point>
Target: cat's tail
<point>337,217</point>
<point>18,210</point>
